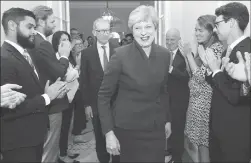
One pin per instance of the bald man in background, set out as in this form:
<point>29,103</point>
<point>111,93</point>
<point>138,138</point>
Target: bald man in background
<point>179,94</point>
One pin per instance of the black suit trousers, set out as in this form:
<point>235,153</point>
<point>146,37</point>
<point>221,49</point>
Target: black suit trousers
<point>223,151</point>
<point>79,123</point>
<point>25,154</point>
<point>103,155</point>
<point>176,140</point>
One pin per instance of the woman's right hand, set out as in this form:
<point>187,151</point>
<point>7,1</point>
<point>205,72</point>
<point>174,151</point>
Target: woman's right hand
<point>194,47</point>
<point>112,143</point>
<point>64,48</point>
<point>202,55</point>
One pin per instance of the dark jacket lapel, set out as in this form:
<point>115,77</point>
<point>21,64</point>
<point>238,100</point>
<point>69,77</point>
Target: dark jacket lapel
<point>19,56</point>
<point>153,52</point>
<point>243,46</point>
<point>38,39</point>
<point>178,58</point>
<point>112,50</point>
<point>96,58</point>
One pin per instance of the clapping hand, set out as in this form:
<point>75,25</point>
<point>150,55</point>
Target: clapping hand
<point>237,71</point>
<point>185,48</point>
<point>55,89</point>
<point>212,61</point>
<point>10,98</point>
<point>202,55</point>
<point>64,48</point>
<point>181,47</point>
<point>63,93</point>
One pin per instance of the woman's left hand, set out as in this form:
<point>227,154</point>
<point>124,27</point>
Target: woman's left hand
<point>168,129</point>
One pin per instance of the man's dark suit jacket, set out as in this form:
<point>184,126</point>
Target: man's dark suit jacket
<point>50,68</point>
<point>26,125</point>
<point>91,75</point>
<point>230,112</point>
<point>178,85</point>
<point>141,102</point>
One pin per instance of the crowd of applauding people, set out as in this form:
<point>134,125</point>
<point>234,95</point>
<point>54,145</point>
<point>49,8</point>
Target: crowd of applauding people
<point>142,99</point>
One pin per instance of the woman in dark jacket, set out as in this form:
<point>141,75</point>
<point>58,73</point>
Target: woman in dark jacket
<point>137,124</point>
<point>79,122</point>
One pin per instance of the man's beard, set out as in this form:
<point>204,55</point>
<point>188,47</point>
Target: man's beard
<point>24,41</point>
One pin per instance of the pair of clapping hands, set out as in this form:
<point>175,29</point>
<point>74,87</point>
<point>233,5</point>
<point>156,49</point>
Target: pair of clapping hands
<point>56,90</point>
<point>240,71</point>
<point>10,98</point>
<point>207,56</point>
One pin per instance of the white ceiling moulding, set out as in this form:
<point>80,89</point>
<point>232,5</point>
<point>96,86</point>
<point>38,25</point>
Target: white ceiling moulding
<point>49,4</point>
<point>102,4</point>
<point>123,4</point>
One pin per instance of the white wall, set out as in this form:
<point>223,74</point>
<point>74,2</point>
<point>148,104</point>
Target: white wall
<point>58,8</point>
<point>183,15</point>
<point>5,5</point>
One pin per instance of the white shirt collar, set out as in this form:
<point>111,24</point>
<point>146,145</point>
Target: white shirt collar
<point>41,35</point>
<point>57,55</point>
<point>18,47</point>
<point>237,41</point>
<point>99,45</point>
<point>175,51</point>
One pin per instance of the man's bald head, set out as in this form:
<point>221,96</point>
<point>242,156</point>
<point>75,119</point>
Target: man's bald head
<point>173,32</point>
<point>172,39</point>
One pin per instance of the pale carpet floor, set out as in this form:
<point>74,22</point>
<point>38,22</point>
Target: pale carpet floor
<point>87,150</point>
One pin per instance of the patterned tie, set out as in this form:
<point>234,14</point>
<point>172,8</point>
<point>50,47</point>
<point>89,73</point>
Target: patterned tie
<point>172,54</point>
<point>105,59</point>
<point>229,50</point>
<point>29,60</point>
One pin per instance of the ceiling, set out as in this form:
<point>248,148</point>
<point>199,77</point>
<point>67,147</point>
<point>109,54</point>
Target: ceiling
<point>102,4</point>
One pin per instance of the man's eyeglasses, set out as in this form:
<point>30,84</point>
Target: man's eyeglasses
<point>217,23</point>
<point>103,31</point>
